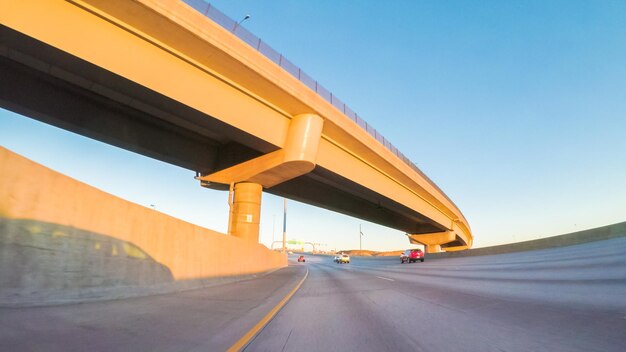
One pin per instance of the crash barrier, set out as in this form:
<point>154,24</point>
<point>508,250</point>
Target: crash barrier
<point>570,239</point>
<point>63,240</point>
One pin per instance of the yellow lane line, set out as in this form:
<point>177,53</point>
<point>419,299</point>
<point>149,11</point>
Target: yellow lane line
<point>245,339</point>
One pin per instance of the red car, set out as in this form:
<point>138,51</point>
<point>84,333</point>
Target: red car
<point>301,259</point>
<point>411,256</point>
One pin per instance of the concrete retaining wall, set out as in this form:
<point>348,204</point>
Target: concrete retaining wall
<point>62,240</point>
<point>591,235</point>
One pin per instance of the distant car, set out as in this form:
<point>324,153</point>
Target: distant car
<point>290,252</point>
<point>411,256</point>
<point>301,259</point>
<point>336,259</point>
<point>344,258</point>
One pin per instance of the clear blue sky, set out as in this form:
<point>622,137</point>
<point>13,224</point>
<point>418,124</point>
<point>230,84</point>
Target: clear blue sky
<point>517,109</point>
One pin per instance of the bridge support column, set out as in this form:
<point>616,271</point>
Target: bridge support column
<point>433,241</point>
<point>245,211</point>
<point>433,248</point>
<point>296,158</point>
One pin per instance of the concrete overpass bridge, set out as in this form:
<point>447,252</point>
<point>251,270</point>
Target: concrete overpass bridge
<point>188,86</point>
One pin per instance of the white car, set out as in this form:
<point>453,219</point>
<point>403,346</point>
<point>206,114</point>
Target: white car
<point>344,258</point>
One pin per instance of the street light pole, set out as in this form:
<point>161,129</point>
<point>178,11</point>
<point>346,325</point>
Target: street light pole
<point>284,225</point>
<point>360,235</point>
<point>239,23</point>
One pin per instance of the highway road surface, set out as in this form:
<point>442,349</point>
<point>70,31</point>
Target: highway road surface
<point>564,299</point>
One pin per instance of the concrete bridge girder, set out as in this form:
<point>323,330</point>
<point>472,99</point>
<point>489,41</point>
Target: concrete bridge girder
<point>297,158</point>
<point>436,241</point>
<point>175,67</point>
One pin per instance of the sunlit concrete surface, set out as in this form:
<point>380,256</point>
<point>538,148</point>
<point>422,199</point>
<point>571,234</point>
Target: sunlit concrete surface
<point>135,73</point>
<point>64,241</point>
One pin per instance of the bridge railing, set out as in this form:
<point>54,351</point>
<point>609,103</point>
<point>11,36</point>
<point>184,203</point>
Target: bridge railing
<point>231,25</point>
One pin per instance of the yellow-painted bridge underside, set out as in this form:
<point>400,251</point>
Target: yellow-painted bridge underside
<point>159,78</point>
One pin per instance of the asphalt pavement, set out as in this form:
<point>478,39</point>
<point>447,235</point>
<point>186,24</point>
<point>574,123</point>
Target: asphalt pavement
<point>208,319</point>
<point>563,299</point>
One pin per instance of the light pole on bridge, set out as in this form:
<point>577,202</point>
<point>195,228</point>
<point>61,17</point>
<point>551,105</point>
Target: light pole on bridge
<point>239,23</point>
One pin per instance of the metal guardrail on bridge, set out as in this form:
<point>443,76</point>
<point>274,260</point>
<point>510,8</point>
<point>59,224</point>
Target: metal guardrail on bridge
<point>234,27</point>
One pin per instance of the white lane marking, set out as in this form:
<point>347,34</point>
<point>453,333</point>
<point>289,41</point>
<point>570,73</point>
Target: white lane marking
<point>384,278</point>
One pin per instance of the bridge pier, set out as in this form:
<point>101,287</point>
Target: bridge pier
<point>245,211</point>
<point>433,241</point>
<point>433,248</point>
<point>247,180</point>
